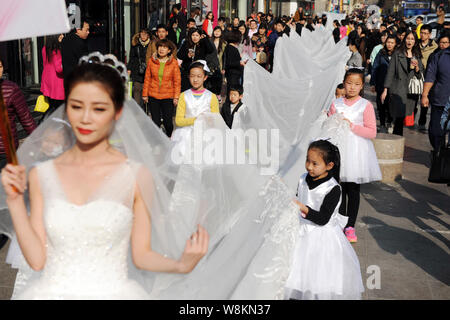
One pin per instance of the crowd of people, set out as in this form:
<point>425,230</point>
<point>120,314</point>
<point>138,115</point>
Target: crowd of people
<point>192,70</point>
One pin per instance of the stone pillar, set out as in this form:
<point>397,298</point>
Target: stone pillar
<point>389,149</point>
<point>242,9</point>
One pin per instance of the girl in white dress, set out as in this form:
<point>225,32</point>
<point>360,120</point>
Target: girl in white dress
<point>192,103</point>
<point>325,266</point>
<point>86,206</point>
<point>359,161</point>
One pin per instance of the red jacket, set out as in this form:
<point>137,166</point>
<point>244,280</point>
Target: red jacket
<point>205,26</point>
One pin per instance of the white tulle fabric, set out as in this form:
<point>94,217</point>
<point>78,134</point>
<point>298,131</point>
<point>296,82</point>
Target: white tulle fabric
<point>295,96</point>
<point>252,222</point>
<point>325,265</point>
<point>358,157</point>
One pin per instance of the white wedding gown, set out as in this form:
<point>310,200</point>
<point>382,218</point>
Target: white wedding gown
<point>87,245</point>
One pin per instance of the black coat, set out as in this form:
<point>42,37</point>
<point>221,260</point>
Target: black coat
<point>72,49</point>
<point>226,113</point>
<point>336,35</point>
<point>137,56</point>
<point>397,81</point>
<point>202,49</point>
<point>379,70</point>
<point>298,28</point>
<point>232,63</point>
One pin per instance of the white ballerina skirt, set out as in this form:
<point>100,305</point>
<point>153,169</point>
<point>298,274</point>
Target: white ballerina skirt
<point>359,162</point>
<point>325,266</point>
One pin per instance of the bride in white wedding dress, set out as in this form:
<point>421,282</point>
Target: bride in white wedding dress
<point>86,206</point>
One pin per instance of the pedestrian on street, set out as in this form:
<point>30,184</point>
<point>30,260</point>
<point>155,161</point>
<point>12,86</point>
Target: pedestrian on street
<point>278,31</point>
<point>427,47</point>
<point>336,32</point>
<point>215,63</point>
<point>404,65</point>
<point>377,48</point>
<point>138,64</point>
<point>232,63</point>
<point>178,18</point>
<point>162,32</point>
<point>355,60</point>
<point>196,47</point>
<point>162,85</point>
<point>379,71</point>
<point>208,24</point>
<point>73,47</point>
<point>436,91</point>
<point>245,43</point>
<point>16,106</point>
<point>52,81</point>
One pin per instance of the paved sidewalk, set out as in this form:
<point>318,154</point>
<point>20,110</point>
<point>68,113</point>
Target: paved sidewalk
<point>402,228</point>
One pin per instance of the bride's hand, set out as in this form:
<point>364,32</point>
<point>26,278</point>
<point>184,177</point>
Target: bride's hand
<point>14,181</point>
<point>196,247</point>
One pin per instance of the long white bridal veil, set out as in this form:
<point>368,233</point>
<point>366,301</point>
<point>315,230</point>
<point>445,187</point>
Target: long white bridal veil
<point>241,209</point>
<point>294,97</point>
<point>250,216</point>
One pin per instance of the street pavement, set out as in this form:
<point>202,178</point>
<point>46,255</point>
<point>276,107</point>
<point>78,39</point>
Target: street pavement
<point>402,227</point>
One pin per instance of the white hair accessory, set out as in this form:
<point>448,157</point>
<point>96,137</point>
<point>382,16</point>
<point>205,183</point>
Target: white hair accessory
<point>205,65</point>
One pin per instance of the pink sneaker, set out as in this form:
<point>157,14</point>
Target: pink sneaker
<point>350,234</point>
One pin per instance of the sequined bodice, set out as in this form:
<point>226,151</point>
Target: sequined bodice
<point>87,245</point>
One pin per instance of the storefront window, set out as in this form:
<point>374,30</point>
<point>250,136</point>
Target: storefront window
<point>27,62</point>
<point>229,8</point>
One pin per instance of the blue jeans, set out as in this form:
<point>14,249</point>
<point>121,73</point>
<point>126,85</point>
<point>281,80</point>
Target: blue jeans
<point>435,132</point>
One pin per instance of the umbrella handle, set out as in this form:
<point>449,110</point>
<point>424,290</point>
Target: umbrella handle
<point>7,137</point>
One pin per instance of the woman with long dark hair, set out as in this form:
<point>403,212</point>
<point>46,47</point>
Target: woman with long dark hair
<point>215,62</point>
<point>405,64</point>
<point>362,33</point>
<point>196,47</point>
<point>259,42</point>
<point>336,31</point>
<point>52,81</point>
<point>245,44</point>
<point>379,71</point>
<point>208,24</point>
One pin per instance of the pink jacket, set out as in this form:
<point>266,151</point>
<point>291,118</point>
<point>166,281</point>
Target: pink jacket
<point>343,31</point>
<point>52,82</point>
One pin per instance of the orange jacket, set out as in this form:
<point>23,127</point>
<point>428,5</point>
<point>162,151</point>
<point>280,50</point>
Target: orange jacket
<point>171,82</point>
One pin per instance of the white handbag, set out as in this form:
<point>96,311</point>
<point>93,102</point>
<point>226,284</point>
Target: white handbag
<point>415,85</point>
